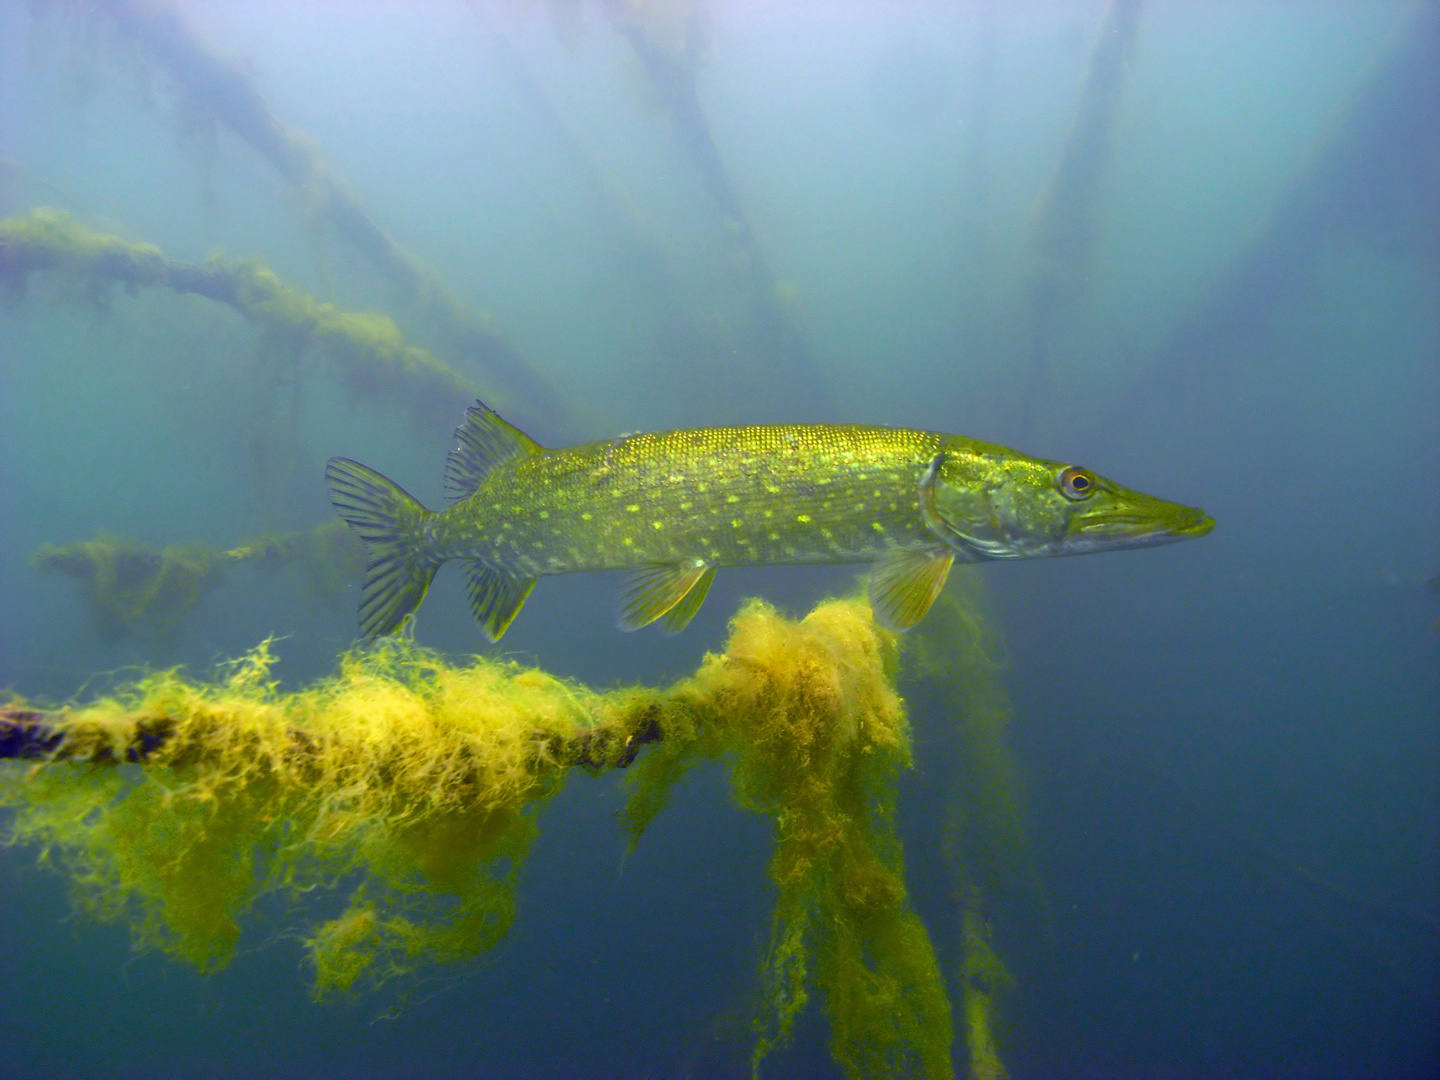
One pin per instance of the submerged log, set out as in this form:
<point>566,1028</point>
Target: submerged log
<point>215,86</point>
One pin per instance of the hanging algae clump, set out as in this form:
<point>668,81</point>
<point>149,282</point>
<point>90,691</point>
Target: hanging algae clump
<point>416,785</point>
<point>419,777</point>
<point>815,734</point>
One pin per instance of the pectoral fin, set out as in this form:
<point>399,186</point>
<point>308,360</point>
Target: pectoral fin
<point>672,590</point>
<point>904,584</point>
<point>495,598</point>
<point>679,616</point>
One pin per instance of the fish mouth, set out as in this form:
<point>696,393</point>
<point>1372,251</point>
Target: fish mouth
<point>1193,523</point>
<point>1182,522</point>
<point>1147,527</point>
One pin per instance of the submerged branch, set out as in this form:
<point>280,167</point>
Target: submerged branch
<point>365,348</point>
<point>417,782</point>
<point>131,588</point>
<point>146,738</point>
<point>217,87</point>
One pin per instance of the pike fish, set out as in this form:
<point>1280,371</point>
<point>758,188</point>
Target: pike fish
<point>673,507</point>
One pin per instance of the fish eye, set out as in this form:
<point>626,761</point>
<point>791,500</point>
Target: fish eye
<point>1077,483</point>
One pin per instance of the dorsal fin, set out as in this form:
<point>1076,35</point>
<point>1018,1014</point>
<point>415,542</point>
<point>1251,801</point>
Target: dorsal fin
<point>484,441</point>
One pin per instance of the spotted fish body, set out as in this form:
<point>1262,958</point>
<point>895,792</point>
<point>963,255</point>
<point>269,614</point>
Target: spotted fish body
<point>675,506</point>
<point>727,496</point>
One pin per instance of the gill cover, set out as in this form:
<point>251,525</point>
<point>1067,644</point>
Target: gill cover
<point>903,584</point>
<point>970,526</point>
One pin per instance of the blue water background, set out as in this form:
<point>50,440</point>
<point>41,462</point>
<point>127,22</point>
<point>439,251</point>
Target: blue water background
<point>1231,745</point>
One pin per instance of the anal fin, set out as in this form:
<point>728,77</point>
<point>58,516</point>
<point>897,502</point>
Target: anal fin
<point>495,597</point>
<point>904,584</point>
<point>672,590</point>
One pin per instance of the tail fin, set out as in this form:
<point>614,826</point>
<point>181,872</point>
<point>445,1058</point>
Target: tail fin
<point>391,524</point>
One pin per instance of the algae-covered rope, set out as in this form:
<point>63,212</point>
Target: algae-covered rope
<point>38,735</point>
<point>419,783</point>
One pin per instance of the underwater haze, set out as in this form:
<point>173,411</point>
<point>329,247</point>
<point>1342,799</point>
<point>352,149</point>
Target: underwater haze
<point>1185,825</point>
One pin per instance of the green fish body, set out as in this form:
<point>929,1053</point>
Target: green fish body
<point>673,507</point>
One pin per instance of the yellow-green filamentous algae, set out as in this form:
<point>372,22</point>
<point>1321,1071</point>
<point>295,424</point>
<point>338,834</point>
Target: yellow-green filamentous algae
<point>672,507</point>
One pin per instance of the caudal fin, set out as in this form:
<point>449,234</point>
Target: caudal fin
<point>391,524</point>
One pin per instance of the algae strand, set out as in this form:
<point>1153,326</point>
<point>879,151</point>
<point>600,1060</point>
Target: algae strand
<point>957,656</point>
